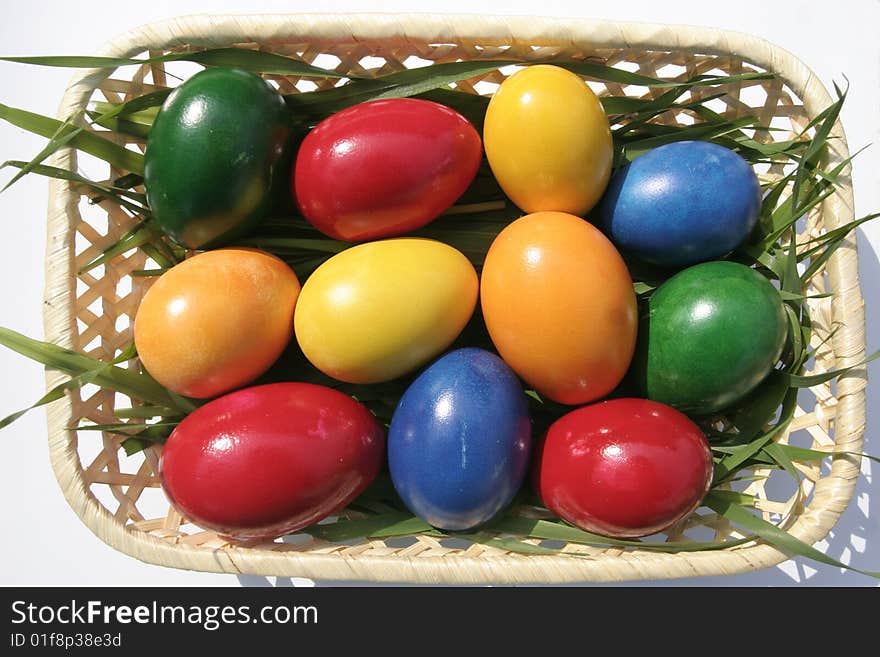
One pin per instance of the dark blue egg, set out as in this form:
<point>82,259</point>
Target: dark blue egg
<point>459,442</point>
<point>682,203</point>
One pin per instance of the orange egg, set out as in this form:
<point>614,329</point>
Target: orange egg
<point>216,321</point>
<point>559,304</point>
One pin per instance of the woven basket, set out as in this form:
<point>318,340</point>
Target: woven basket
<point>119,498</point>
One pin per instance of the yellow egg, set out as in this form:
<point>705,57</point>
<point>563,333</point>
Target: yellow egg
<point>379,310</point>
<point>548,141</point>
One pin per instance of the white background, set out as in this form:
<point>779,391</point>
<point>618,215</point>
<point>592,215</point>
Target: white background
<point>44,543</point>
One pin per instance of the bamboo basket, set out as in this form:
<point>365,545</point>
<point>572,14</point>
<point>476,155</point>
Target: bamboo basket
<point>119,498</point>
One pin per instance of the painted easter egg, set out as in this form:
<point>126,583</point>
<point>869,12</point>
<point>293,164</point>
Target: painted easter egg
<point>216,321</point>
<point>268,460</point>
<point>459,441</point>
<point>385,167</point>
<point>548,141</point>
<point>217,156</point>
<point>682,203</point>
<point>623,467</point>
<point>382,309</point>
<point>709,336</point>
<point>559,305</point>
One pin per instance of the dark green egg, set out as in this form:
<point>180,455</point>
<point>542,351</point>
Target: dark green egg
<point>710,335</point>
<point>217,156</point>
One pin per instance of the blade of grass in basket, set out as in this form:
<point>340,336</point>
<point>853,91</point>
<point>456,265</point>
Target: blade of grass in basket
<point>796,453</point>
<point>88,142</point>
<point>828,245</point>
<point>140,412</point>
<point>133,117</point>
<point>558,531</point>
<point>735,461</point>
<point>799,381</point>
<point>141,234</point>
<point>71,384</point>
<point>778,538</point>
<point>65,133</point>
<point>640,144</point>
<point>760,407</point>
<point>152,435</point>
<point>829,236</point>
<point>824,122</point>
<point>124,427</point>
<point>115,194</point>
<point>598,71</point>
<point>346,530</point>
<point>128,382</point>
<point>395,85</point>
<point>812,193</point>
<point>252,60</point>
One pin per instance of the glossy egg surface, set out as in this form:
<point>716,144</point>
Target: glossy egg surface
<point>217,157</point>
<point>379,310</point>
<point>624,467</point>
<point>710,335</point>
<point>459,441</point>
<point>548,141</point>
<point>682,203</point>
<point>385,167</point>
<point>268,460</point>
<point>216,321</point>
<point>559,305</point>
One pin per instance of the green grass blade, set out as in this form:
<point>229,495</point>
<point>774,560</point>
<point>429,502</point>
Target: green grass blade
<point>128,382</point>
<point>140,412</point>
<point>760,407</point>
<point>804,454</point>
<point>88,142</point>
<point>771,533</point>
<point>410,82</point>
<point>250,60</point>
<point>54,394</point>
<point>136,237</point>
<point>799,381</point>
<point>557,531</point>
<point>116,194</point>
<point>346,530</point>
<point>736,460</point>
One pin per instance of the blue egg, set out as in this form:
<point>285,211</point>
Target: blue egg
<point>682,203</point>
<point>459,442</point>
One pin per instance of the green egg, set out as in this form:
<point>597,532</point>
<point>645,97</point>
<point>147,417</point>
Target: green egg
<point>709,336</point>
<point>217,157</point>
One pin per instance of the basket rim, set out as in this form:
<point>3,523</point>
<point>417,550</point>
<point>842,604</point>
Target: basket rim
<point>829,499</point>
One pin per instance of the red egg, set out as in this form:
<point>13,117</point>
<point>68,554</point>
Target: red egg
<point>384,167</point>
<point>268,460</point>
<point>624,467</point>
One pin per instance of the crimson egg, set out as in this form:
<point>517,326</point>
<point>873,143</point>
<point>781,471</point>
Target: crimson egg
<point>624,467</point>
<point>268,460</point>
<point>385,167</point>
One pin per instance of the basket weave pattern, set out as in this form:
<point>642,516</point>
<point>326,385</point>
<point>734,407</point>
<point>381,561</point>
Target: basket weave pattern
<point>119,498</point>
